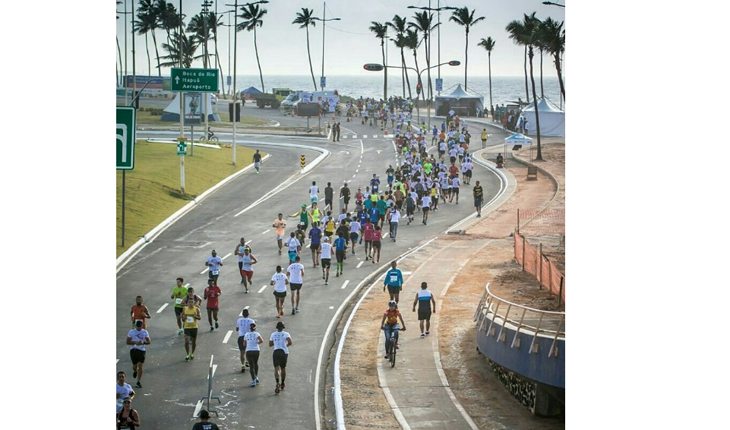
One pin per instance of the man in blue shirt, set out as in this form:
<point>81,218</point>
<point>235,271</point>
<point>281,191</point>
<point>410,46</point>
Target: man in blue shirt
<point>394,281</point>
<point>315,238</point>
<point>340,249</point>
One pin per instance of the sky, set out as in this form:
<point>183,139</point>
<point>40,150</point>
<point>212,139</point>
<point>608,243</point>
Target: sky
<point>348,42</point>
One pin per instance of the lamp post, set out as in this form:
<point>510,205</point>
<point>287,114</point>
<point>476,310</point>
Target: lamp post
<point>438,10</point>
<point>322,80</point>
<point>235,39</point>
<point>206,4</point>
<point>229,25</point>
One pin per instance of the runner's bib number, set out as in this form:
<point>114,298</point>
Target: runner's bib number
<point>214,272</point>
<point>393,278</point>
<point>190,319</point>
<point>178,301</point>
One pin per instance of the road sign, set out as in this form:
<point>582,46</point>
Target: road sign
<point>195,80</point>
<point>181,148</point>
<point>126,129</point>
<point>439,84</point>
<point>323,81</point>
<point>302,161</point>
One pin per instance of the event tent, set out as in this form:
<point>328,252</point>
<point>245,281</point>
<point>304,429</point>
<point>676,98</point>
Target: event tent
<point>193,106</point>
<point>552,119</point>
<point>251,91</point>
<point>460,101</point>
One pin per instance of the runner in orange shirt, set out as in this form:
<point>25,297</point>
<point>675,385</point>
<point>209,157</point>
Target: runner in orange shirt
<point>140,312</point>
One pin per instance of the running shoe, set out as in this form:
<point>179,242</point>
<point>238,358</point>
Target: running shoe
<point>253,383</point>
<point>216,324</point>
<point>179,332</point>
<point>293,311</point>
<point>277,389</point>
<point>191,356</point>
<point>211,328</point>
<point>426,332</point>
<point>282,386</point>
<point>423,334</point>
<point>139,385</point>
<point>187,357</point>
<point>387,356</point>
<point>257,381</point>
<point>243,369</point>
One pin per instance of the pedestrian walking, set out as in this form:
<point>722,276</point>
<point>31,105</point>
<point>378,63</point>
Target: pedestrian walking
<point>280,341</point>
<point>393,280</point>
<point>257,161</point>
<point>137,338</point>
<point>478,195</point>
<point>251,342</point>
<point>426,305</point>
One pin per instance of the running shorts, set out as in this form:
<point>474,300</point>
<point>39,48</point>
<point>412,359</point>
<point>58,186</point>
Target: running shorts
<point>137,355</point>
<point>280,295</point>
<point>325,263</point>
<point>294,286</point>
<point>280,358</point>
<point>192,332</point>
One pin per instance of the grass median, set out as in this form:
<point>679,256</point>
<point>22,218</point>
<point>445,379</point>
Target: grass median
<point>152,191</point>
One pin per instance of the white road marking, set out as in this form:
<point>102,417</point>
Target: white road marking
<point>375,136</point>
<point>215,366</point>
<point>262,289</point>
<point>360,264</point>
<point>406,273</point>
<point>364,136</point>
<point>162,308</point>
<point>345,284</point>
<point>228,336</point>
<point>354,175</point>
<point>203,245</point>
<point>198,407</point>
<point>266,231</point>
<point>331,307</point>
<point>230,253</point>
<point>354,136</point>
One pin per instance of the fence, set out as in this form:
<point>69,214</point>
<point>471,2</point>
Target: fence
<point>537,264</point>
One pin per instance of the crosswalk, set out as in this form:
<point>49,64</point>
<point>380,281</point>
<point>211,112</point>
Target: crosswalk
<point>367,136</point>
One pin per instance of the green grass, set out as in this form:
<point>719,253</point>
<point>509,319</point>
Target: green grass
<point>152,117</point>
<point>153,187</point>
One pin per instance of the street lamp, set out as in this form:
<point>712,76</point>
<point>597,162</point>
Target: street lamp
<point>206,4</point>
<point>229,25</point>
<point>235,40</point>
<point>322,80</point>
<point>554,4</point>
<point>438,10</point>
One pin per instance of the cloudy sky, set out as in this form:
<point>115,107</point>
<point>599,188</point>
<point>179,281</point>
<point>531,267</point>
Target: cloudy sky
<point>349,43</point>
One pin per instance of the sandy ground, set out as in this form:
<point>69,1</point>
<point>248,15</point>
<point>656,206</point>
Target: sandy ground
<point>468,373</point>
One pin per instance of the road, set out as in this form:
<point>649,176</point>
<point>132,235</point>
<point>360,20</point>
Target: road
<point>172,387</point>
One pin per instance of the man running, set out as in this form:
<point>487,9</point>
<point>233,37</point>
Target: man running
<point>394,281</point>
<point>203,424</point>
<point>340,250</point>
<point>251,342</point>
<point>345,196</point>
<point>243,325</point>
<point>140,312</point>
<point>478,195</point>
<point>138,337</point>
<point>315,240</point>
<point>314,192</point>
<point>354,233</point>
<point>326,259</point>
<point>179,292</point>
<point>281,341</point>
<point>426,304</point>
<point>124,390</point>
<point>393,217</point>
<point>425,206</point>
<point>280,226</point>
<point>295,272</point>
<point>211,294</point>
<point>279,281</point>
<point>293,247</point>
<point>214,264</point>
<point>328,196</point>
<point>191,316</point>
<point>257,161</point>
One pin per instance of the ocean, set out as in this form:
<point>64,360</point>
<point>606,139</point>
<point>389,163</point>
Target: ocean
<point>504,88</point>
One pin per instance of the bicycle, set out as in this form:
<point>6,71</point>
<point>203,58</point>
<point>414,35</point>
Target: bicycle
<point>392,344</point>
<point>211,137</point>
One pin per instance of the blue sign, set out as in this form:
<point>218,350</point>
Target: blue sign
<point>228,81</point>
<point>439,84</point>
<point>323,81</point>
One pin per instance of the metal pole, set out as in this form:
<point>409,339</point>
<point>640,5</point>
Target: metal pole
<point>134,72</point>
<point>235,96</point>
<point>229,51</point>
<point>124,187</point>
<point>324,22</point>
<point>126,100</point>
<point>205,48</point>
<point>182,94</point>
<point>438,11</point>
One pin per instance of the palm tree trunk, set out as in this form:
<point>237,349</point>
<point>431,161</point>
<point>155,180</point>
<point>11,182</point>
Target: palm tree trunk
<point>542,87</point>
<point>415,58</point>
<point>527,91</point>
<point>310,61</point>
<point>537,114</point>
<point>560,74</point>
<point>385,71</point>
<point>466,56</point>
<point>428,70</point>
<point>157,53</point>
<point>405,71</point>
<point>256,48</point>
<point>491,105</point>
<point>149,59</point>
<point>119,70</point>
<point>221,90</point>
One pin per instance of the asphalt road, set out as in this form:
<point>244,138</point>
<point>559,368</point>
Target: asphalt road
<point>171,386</point>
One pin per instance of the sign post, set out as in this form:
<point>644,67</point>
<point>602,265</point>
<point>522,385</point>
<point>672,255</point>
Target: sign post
<point>126,134</point>
<point>181,150</point>
<point>302,161</point>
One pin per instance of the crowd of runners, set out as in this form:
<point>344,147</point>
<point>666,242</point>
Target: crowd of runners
<point>431,168</point>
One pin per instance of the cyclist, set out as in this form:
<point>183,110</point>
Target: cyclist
<point>390,325</point>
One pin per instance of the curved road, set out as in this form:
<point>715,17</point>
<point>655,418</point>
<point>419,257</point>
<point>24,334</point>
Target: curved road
<point>173,387</point>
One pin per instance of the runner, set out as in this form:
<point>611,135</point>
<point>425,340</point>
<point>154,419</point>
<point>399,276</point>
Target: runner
<point>295,273</point>
<point>191,315</point>
<point>478,195</point>
<point>140,312</point>
<point>345,196</point>
<point>393,220</point>
<point>138,337</point>
<point>326,259</point>
<point>455,183</point>
<point>280,226</point>
<point>329,226</point>
<point>293,246</point>
<point>243,325</point>
<point>303,216</point>
<point>314,192</point>
<point>394,281</point>
<point>376,244</point>
<point>247,262</point>
<point>426,304</point>
<point>251,342</point>
<point>179,292</point>
<point>214,264</point>
<point>314,213</point>
<point>340,246</point>
<point>203,424</point>
<point>257,161</point>
<point>425,206</point>
<point>211,294</point>
<point>124,390</point>
<point>328,196</point>
<point>238,252</point>
<point>315,239</point>
<point>279,281</point>
<point>192,297</point>
<point>354,233</point>
<point>281,341</point>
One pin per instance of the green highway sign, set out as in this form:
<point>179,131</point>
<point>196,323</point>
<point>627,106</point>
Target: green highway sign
<point>195,80</point>
<point>126,127</point>
<point>181,148</point>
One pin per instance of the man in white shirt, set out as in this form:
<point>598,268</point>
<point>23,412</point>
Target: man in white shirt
<point>326,258</point>
<point>124,390</point>
<point>243,325</point>
<point>138,338</point>
<point>281,341</point>
<point>214,263</point>
<point>393,218</point>
<point>354,232</point>
<point>279,281</point>
<point>425,206</point>
<point>455,183</point>
<point>295,271</point>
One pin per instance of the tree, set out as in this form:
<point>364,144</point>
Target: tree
<point>488,44</point>
<point>213,22</point>
<point>528,35</point>
<point>381,30</point>
<point>411,41</point>
<point>304,19</point>
<point>462,17</point>
<point>422,23</point>
<point>180,47</point>
<point>149,21</point>
<point>516,31</point>
<point>201,32</point>
<point>552,37</point>
<point>253,17</point>
<point>399,25</point>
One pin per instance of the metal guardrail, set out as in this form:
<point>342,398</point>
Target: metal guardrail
<point>523,319</point>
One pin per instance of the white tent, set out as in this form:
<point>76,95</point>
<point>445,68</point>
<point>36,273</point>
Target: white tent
<point>460,101</point>
<point>517,139</point>
<point>552,119</point>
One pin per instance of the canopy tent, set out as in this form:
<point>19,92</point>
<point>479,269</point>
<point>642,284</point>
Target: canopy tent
<point>193,107</point>
<point>251,91</point>
<point>517,139</point>
<point>552,119</point>
<point>460,101</point>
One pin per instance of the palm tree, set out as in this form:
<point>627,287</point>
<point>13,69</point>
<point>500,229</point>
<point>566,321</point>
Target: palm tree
<point>180,44</point>
<point>488,44</point>
<point>516,31</point>
<point>168,18</point>
<point>552,37</point>
<point>462,16</point>
<point>304,19</point>
<point>200,33</point>
<point>399,25</point>
<point>253,17</point>
<point>213,22</point>
<point>422,23</point>
<point>529,35</point>
<point>410,41</point>
<point>149,21</point>
<point>381,30</point>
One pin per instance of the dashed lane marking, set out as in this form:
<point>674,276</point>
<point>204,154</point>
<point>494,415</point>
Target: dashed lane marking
<point>345,284</point>
<point>228,336</point>
<point>262,289</point>
<point>162,308</point>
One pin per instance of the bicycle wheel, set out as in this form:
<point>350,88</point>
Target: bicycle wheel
<point>213,139</point>
<point>393,349</point>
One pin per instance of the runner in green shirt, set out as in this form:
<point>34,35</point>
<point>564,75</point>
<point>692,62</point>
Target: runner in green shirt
<point>178,294</point>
